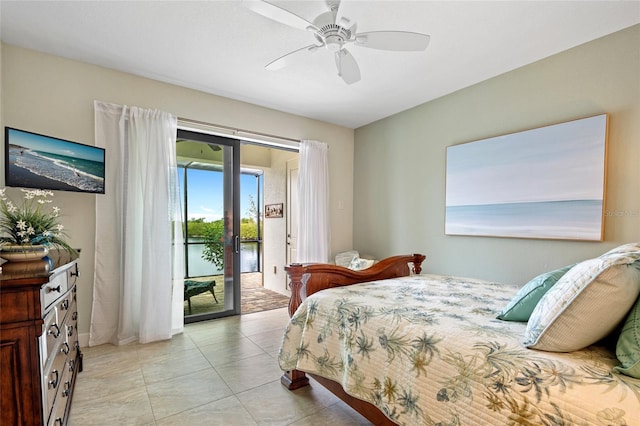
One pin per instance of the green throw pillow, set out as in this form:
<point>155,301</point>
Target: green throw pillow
<point>523,303</point>
<point>628,347</point>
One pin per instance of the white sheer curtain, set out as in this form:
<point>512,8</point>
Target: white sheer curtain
<point>138,291</point>
<point>313,203</point>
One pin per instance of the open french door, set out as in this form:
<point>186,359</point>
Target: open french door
<point>210,183</point>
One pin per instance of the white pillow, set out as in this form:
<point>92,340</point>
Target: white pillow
<point>345,258</point>
<point>623,249</point>
<point>586,304</point>
<point>358,264</point>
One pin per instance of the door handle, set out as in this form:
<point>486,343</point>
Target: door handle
<point>236,247</point>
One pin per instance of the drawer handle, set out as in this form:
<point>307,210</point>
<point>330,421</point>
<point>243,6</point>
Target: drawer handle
<point>67,389</point>
<point>55,333</point>
<point>65,348</point>
<point>74,316</point>
<point>54,383</point>
<point>52,289</point>
<point>72,366</point>
<point>69,330</point>
<point>64,305</point>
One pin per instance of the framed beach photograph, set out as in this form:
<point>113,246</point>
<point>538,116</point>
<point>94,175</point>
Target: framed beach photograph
<point>37,161</point>
<point>273,210</point>
<point>546,183</point>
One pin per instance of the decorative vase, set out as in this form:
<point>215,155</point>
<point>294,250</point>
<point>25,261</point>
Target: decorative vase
<point>23,252</point>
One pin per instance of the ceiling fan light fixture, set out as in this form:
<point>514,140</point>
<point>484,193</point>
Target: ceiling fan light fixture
<point>333,43</point>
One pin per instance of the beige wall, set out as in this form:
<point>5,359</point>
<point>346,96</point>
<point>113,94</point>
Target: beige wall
<point>400,161</point>
<point>54,96</point>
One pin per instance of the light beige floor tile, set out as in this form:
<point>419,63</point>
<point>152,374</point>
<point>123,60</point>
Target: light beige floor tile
<point>338,414</point>
<point>224,412</point>
<point>179,342</point>
<point>258,327</point>
<point>186,392</point>
<point>109,362</point>
<point>269,341</point>
<point>96,351</point>
<point>174,364</point>
<point>273,404</point>
<point>90,388</point>
<point>282,313</point>
<point>248,373</point>
<point>230,350</point>
<point>125,407</point>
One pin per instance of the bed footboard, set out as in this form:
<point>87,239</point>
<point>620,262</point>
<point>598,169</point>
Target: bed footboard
<point>306,279</point>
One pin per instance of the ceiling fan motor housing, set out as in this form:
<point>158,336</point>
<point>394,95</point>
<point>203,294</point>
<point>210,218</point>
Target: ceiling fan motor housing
<point>332,35</point>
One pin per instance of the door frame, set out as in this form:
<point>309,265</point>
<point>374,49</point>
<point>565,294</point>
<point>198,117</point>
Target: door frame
<point>292,166</point>
<point>231,197</point>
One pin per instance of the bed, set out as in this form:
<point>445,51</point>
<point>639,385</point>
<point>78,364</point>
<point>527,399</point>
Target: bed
<point>407,348</point>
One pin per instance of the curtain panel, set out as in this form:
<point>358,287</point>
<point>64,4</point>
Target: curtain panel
<point>313,203</point>
<point>138,291</point>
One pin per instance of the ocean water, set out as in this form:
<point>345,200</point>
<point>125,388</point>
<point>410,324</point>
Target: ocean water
<point>85,175</point>
<point>573,219</point>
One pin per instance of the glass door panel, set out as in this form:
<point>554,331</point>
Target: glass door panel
<point>208,181</point>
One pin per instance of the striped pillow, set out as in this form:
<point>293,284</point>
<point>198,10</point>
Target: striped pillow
<point>586,304</point>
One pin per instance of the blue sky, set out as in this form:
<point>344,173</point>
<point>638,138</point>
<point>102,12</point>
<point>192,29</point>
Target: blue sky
<point>55,146</point>
<point>553,163</point>
<point>205,194</point>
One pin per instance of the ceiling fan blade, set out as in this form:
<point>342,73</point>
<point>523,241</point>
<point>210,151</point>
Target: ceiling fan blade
<point>334,6</point>
<point>347,66</point>
<point>290,57</point>
<point>393,40</point>
<point>279,14</point>
<point>331,4</point>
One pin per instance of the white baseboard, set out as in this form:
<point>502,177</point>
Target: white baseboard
<point>83,340</point>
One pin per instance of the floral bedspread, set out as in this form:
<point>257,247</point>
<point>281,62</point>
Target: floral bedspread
<point>427,349</point>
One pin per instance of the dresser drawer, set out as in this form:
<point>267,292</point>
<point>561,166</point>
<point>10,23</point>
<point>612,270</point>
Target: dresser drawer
<point>51,291</point>
<point>57,415</point>
<point>52,379</point>
<point>52,334</point>
<point>72,328</point>
<point>58,411</point>
<point>63,305</point>
<point>58,325</point>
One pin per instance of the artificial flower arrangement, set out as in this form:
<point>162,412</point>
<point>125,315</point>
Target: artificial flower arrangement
<point>33,222</point>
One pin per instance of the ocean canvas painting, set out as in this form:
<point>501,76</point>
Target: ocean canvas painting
<point>43,162</point>
<point>542,183</point>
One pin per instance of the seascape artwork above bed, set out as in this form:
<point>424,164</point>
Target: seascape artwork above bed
<point>428,349</point>
<point>546,182</point>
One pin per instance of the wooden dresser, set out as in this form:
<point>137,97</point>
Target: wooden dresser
<point>39,351</point>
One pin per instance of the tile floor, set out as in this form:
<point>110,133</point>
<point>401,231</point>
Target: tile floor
<point>219,372</point>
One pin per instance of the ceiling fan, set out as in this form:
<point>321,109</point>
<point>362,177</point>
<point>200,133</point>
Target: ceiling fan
<point>335,32</point>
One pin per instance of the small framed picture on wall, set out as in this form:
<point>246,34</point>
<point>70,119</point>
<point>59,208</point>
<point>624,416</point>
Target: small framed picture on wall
<point>273,210</point>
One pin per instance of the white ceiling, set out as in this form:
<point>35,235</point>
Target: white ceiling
<point>221,47</point>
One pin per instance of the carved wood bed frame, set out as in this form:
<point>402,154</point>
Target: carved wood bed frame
<point>310,278</point>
